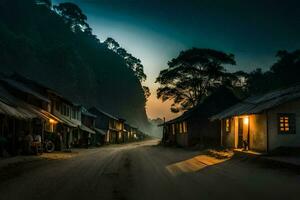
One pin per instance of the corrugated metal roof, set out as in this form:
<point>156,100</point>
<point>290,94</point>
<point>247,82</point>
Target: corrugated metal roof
<point>220,99</point>
<point>32,85</point>
<point>16,112</point>
<point>104,113</point>
<point>66,121</point>
<point>11,106</point>
<point>259,103</point>
<point>85,112</point>
<point>86,129</point>
<point>23,88</point>
<point>101,131</point>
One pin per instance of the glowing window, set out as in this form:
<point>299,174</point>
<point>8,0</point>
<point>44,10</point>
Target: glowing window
<point>286,123</point>
<point>227,125</point>
<point>173,129</point>
<point>180,128</point>
<point>184,124</point>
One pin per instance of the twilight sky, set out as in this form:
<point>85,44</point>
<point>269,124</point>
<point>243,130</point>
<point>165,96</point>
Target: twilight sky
<point>157,30</point>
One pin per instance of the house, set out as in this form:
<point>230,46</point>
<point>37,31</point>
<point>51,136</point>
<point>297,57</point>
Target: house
<point>263,123</point>
<point>128,133</point>
<point>15,122</point>
<point>194,126</point>
<point>63,115</point>
<point>112,126</point>
<point>85,136</point>
<point>139,135</point>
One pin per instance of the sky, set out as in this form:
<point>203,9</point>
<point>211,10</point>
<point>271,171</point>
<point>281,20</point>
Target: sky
<point>155,31</point>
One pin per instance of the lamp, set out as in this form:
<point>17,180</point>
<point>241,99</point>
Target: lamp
<point>246,120</point>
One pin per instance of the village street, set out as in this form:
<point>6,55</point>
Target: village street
<point>146,171</point>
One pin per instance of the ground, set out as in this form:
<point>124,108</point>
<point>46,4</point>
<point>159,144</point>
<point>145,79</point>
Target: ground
<point>145,171</point>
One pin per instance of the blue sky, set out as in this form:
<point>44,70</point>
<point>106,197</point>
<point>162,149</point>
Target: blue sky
<point>156,31</point>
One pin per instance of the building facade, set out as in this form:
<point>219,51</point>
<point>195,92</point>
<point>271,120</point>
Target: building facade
<point>263,123</point>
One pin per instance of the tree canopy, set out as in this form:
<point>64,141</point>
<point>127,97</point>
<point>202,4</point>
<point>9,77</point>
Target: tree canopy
<point>51,47</point>
<point>192,76</point>
<point>283,73</point>
<point>132,62</point>
<point>72,15</point>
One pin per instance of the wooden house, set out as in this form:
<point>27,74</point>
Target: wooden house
<point>63,115</point>
<point>112,126</point>
<point>194,127</point>
<point>86,135</point>
<point>127,132</point>
<point>263,123</point>
<point>16,121</point>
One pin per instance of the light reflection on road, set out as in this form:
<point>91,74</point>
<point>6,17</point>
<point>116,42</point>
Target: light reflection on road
<point>193,165</point>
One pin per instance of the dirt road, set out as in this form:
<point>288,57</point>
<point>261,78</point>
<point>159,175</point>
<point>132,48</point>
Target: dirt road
<point>148,172</point>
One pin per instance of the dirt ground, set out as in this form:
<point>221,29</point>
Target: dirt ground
<point>146,171</point>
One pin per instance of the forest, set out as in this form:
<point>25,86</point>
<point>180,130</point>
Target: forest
<point>54,45</point>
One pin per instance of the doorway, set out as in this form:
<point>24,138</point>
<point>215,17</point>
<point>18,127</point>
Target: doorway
<point>243,133</point>
<point>240,133</point>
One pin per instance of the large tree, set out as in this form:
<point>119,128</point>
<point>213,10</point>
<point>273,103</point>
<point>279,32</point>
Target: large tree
<point>192,76</point>
<point>73,16</point>
<point>283,73</point>
<point>287,68</point>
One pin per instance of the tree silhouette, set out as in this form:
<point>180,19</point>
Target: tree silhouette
<point>283,73</point>
<point>38,43</point>
<point>147,92</point>
<point>73,16</point>
<point>192,76</point>
<point>131,61</point>
<point>287,68</point>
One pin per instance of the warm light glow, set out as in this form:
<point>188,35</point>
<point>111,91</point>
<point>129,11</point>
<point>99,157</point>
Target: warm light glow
<point>192,165</point>
<point>246,120</point>
<point>52,121</point>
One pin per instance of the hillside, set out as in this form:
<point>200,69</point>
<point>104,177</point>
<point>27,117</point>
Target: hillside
<point>37,43</point>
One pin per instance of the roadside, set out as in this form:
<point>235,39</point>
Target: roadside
<point>289,161</point>
<point>148,171</point>
<point>57,155</point>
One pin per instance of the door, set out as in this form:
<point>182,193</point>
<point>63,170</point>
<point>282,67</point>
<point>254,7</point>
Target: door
<point>240,133</point>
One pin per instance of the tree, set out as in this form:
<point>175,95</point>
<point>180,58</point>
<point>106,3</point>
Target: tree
<point>73,16</point>
<point>112,44</point>
<point>192,76</point>
<point>147,92</point>
<point>283,73</point>
<point>287,68</point>
<point>132,62</point>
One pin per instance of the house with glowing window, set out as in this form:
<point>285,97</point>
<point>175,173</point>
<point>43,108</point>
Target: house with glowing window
<point>62,115</point>
<point>194,126</point>
<point>263,123</point>
<point>112,126</point>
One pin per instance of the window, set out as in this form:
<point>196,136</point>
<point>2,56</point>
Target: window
<point>180,128</point>
<point>286,123</point>
<point>184,124</point>
<point>227,125</point>
<point>173,129</point>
